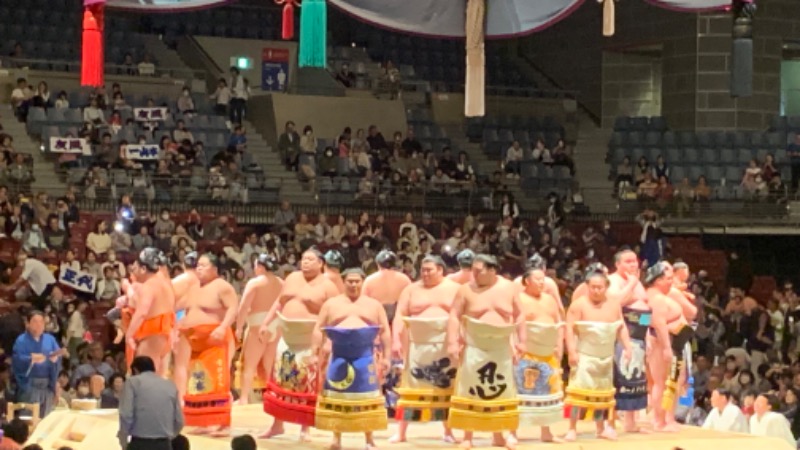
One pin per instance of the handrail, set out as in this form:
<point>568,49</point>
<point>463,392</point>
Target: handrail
<point>110,69</point>
<point>515,90</point>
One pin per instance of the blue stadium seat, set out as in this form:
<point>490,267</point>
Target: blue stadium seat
<point>686,139</point>
<point>733,174</point>
<point>652,139</point>
<point>677,173</point>
<point>694,172</point>
<point>669,139</point>
<point>690,156</point>
<point>704,139</point>
<point>727,156</point>
<point>743,155</point>
<point>673,155</point>
<point>635,138</point>
<point>709,155</point>
<point>714,174</point>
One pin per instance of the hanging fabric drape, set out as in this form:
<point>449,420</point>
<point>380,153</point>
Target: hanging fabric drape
<point>92,55</point>
<point>287,22</point>
<point>313,34</point>
<point>474,91</point>
<point>608,17</point>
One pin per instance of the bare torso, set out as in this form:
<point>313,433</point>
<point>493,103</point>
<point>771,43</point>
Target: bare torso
<point>491,304</point>
<point>679,297</point>
<point>336,279</point>
<point>431,302</point>
<point>205,306</point>
<point>163,296</point>
<point>346,313</point>
<point>463,276</point>
<point>184,286</point>
<point>302,298</point>
<point>265,290</point>
<point>541,309</point>
<point>637,300</point>
<point>588,311</point>
<point>385,286</point>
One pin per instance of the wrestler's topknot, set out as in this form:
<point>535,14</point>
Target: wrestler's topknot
<point>386,259</point>
<point>536,262</point>
<point>465,258</point>
<point>655,272</point>
<point>436,259</point>
<point>488,260</point>
<point>267,261</point>
<point>334,259</point>
<point>354,271</point>
<point>190,260</point>
<point>150,259</point>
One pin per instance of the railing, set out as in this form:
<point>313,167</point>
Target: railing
<point>508,91</point>
<point>9,62</point>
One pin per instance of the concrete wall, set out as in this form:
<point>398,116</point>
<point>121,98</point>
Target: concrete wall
<point>220,50</point>
<point>631,85</point>
<point>330,115</point>
<point>448,108</point>
<point>571,51</point>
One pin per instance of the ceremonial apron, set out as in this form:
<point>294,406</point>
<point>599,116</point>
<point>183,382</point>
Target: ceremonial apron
<point>208,394</point>
<point>428,375</point>
<point>538,376</point>
<point>351,401</point>
<point>485,398</point>
<point>590,392</point>
<point>679,338</point>
<point>291,392</point>
<point>630,379</point>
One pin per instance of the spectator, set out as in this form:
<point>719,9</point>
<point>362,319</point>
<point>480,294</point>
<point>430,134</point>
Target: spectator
<point>642,170</point>
<point>765,422</point>
<point>142,240</point>
<point>181,233</point>
<point>93,114</point>
<point>38,277</point>
<point>328,163</point>
<point>359,139</point>
<point>185,102</point>
<point>42,98</point>
<point>62,102</point>
<point>92,266</point>
<point>684,197</point>
<point>149,409</point>
<point>509,208</point>
<point>322,229</point>
<point>346,76</point>
<point>55,237</point>
<point>375,139</point>
<point>777,192</point>
<point>245,442</point>
<point>725,415</point>
<point>392,77</point>
<point>109,288</point>
<point>513,160</point>
<point>660,169</point>
<point>752,172</point>
<point>164,229</point>
<point>541,153</point>
<point>76,330</point>
<point>463,170</point>
<point>181,133</point>
<point>410,143</point>
<point>702,191</point>
<point>238,96</point>
<point>647,188</point>
<point>16,430</point>
<point>110,397</point>
<point>120,240</point>
<point>7,149</point>
<point>664,193</point>
<point>218,229</point>
<point>624,175</point>
<point>98,240</point>
<point>308,142</point>
<point>146,67</point>
<point>20,173</point>
<point>223,97</point>
<point>284,219</point>
<point>33,241</point>
<point>21,98</point>
<point>289,145</point>
<point>69,262</point>
<point>561,157</point>
<point>129,67</point>
<point>93,365</point>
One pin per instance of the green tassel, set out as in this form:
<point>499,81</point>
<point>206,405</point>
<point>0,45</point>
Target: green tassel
<point>313,33</point>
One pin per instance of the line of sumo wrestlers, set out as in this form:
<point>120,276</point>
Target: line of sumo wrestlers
<point>480,353</point>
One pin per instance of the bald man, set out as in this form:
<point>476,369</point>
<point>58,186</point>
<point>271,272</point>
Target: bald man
<point>387,283</point>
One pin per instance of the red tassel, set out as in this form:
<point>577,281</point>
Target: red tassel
<point>287,29</point>
<point>92,47</point>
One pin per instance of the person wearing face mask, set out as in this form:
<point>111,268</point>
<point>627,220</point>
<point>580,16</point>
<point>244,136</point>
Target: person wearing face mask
<point>327,164</point>
<point>185,102</point>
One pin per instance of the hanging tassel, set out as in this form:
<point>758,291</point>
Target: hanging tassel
<point>475,89</point>
<point>287,26</point>
<point>92,44</point>
<point>608,17</point>
<point>313,34</point>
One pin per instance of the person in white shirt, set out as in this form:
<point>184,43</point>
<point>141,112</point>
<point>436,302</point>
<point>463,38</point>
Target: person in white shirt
<point>223,97</point>
<point>514,156</point>
<point>765,422</point>
<point>93,114</point>
<point>146,67</point>
<point>21,99</point>
<point>725,416</point>
<point>38,277</point>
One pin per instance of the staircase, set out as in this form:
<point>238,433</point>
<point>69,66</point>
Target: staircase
<point>274,171</point>
<point>167,58</point>
<point>592,169</point>
<point>43,168</point>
